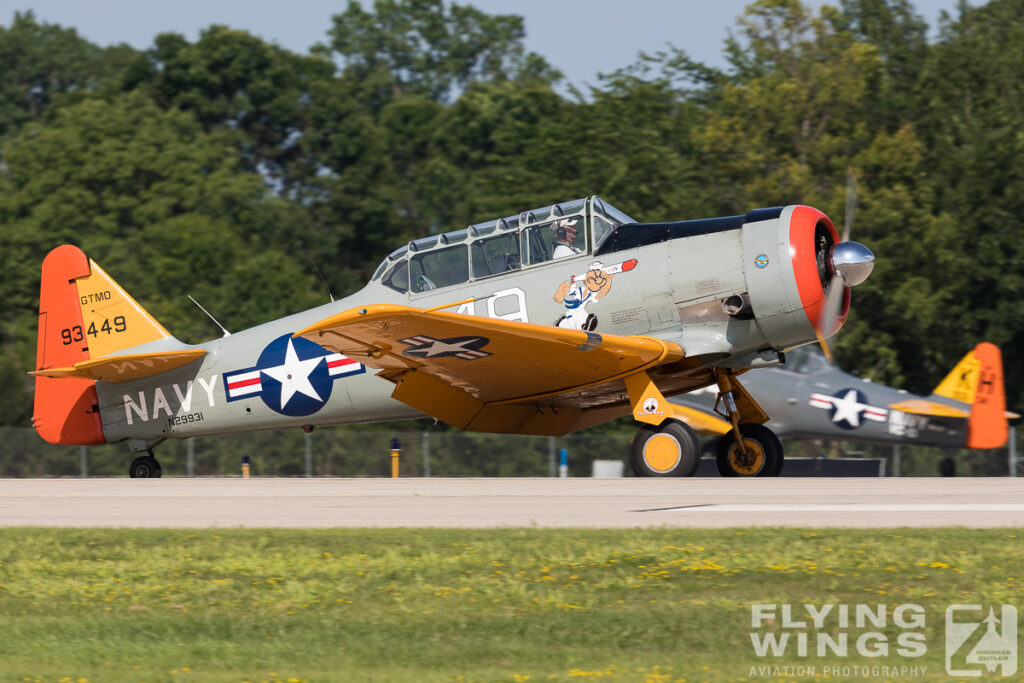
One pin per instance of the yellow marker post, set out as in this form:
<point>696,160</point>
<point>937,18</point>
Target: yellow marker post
<point>245,467</point>
<point>396,448</point>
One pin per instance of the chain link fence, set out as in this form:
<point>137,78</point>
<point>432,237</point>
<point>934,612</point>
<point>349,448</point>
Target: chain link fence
<point>335,452</point>
<point>347,452</point>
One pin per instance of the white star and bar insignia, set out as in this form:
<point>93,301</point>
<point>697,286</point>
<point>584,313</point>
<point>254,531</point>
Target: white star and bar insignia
<point>467,348</point>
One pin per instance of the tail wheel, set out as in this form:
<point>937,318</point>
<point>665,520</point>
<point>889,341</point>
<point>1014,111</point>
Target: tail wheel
<point>145,467</point>
<point>669,450</point>
<point>763,457</point>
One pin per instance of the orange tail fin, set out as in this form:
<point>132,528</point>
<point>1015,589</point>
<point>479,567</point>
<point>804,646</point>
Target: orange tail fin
<point>987,426</point>
<point>66,410</point>
<point>83,315</point>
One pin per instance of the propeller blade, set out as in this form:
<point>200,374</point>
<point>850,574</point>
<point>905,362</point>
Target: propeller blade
<point>823,343</point>
<point>830,312</point>
<point>851,259</point>
<point>851,202</point>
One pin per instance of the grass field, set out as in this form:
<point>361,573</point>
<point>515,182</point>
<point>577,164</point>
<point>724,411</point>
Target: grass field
<point>452,605</point>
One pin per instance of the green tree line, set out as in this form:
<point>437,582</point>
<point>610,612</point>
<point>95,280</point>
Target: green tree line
<point>232,169</point>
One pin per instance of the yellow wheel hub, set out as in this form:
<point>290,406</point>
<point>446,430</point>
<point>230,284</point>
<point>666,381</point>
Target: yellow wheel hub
<point>662,453</point>
<point>751,463</point>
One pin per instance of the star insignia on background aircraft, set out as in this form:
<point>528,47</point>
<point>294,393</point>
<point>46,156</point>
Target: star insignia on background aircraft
<point>848,406</point>
<point>293,376</point>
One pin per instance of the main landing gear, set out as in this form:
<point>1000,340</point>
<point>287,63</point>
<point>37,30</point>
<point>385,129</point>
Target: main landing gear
<point>759,456</point>
<point>145,467</point>
<point>749,449</point>
<point>666,447</point>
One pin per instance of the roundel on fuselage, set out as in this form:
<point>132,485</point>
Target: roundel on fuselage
<point>849,408</point>
<point>293,376</point>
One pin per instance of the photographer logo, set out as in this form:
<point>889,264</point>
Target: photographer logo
<point>980,642</point>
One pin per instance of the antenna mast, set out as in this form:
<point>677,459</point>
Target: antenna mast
<point>223,329</point>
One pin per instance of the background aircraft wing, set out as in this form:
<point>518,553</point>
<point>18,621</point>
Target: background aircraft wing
<point>921,406</point>
<point>487,374</point>
<point>702,422</point>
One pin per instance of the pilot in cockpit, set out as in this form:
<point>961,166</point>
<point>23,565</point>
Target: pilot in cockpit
<point>565,236</point>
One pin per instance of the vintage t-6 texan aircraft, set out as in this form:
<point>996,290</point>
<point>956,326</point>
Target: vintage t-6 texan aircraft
<point>543,323</point>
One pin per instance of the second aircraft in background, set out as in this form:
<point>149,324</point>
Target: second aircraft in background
<point>809,397</point>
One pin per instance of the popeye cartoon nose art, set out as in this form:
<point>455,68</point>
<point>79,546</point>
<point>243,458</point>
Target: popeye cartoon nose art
<point>579,291</point>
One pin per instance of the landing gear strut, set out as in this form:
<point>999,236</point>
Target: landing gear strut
<point>145,467</point>
<point>749,449</point>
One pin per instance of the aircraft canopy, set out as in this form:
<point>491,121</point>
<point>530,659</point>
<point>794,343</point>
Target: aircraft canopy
<point>501,245</point>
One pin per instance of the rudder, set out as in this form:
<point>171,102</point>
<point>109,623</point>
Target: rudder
<point>65,410</point>
<point>987,427</point>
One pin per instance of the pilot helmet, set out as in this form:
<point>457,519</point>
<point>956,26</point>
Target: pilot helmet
<point>565,225</point>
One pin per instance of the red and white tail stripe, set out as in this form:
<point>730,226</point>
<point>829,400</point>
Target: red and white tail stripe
<point>244,384</point>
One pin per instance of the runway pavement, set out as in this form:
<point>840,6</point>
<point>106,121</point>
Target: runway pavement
<point>199,503</point>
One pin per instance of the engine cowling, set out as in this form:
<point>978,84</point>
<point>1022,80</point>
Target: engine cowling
<point>788,264</point>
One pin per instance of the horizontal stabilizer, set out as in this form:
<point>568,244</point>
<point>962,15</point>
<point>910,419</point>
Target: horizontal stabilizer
<point>126,367</point>
<point>920,406</point>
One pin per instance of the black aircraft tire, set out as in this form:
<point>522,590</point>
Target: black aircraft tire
<point>779,461</point>
<point>145,467</point>
<point>765,453</point>
<point>669,450</point>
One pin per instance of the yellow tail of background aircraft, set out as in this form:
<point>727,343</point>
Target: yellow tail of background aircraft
<point>812,398</point>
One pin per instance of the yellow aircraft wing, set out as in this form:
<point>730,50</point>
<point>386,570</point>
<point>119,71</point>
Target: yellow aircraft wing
<point>494,375</point>
<point>920,406</point>
<point>125,367</point>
